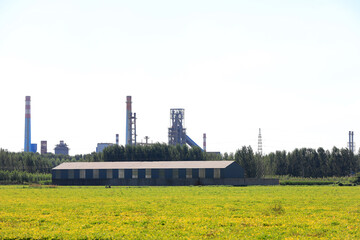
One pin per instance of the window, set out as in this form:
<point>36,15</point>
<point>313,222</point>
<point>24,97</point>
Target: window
<point>71,174</point>
<point>109,174</point>
<point>82,173</point>
<point>96,173</point>
<point>202,173</point>
<point>121,173</point>
<point>161,173</point>
<point>216,172</point>
<point>147,173</point>
<point>188,173</point>
<point>134,173</point>
<point>175,173</point>
<point>58,174</point>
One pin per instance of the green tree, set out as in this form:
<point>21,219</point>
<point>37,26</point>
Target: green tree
<point>245,157</point>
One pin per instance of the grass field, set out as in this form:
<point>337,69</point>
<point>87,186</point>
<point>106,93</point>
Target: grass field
<point>276,212</point>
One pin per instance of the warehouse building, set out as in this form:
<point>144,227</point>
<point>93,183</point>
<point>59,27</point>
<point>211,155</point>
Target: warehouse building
<point>164,173</point>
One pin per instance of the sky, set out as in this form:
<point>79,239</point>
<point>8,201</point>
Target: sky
<point>291,68</point>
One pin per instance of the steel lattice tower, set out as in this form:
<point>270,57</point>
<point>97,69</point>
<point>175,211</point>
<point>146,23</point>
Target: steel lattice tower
<point>351,143</point>
<point>260,142</point>
<point>130,123</point>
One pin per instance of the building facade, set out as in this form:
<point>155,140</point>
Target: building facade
<point>43,149</point>
<point>164,173</point>
<point>100,146</point>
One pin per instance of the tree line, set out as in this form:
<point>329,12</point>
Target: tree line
<point>23,177</point>
<point>153,152</point>
<point>304,162</point>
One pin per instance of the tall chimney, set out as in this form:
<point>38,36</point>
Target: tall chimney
<point>128,120</point>
<point>204,143</point>
<point>117,139</point>
<point>27,142</point>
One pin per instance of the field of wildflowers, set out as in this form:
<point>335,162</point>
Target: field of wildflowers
<point>271,212</point>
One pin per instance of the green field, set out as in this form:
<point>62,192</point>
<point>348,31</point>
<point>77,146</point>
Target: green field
<point>276,212</point>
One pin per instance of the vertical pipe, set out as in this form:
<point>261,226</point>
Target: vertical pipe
<point>117,139</point>
<point>204,143</point>
<point>27,141</point>
<point>134,131</point>
<point>128,120</point>
<point>350,140</point>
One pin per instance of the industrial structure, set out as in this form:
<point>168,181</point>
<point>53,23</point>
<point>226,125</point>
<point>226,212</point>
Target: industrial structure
<point>130,123</point>
<point>101,146</point>
<point>351,144</point>
<point>62,148</point>
<point>260,143</point>
<point>27,140</point>
<point>177,131</point>
<point>43,148</point>
<point>204,142</point>
<point>164,173</point>
<point>117,139</point>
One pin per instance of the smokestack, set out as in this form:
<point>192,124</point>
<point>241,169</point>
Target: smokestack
<point>204,143</point>
<point>117,139</point>
<point>27,141</point>
<point>128,120</point>
<point>351,141</point>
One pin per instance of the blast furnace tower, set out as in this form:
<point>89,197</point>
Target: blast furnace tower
<point>177,132</point>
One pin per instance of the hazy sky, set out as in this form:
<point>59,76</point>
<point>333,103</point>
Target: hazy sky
<point>291,68</point>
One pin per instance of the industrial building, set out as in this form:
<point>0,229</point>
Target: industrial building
<point>101,146</point>
<point>43,149</point>
<point>62,148</point>
<point>177,131</point>
<point>162,173</point>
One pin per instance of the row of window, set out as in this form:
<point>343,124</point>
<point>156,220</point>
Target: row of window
<point>138,173</point>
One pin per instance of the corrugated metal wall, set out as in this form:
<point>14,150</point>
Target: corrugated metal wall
<point>98,176</point>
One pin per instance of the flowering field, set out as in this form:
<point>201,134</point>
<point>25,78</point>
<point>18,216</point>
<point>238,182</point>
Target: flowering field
<point>276,212</point>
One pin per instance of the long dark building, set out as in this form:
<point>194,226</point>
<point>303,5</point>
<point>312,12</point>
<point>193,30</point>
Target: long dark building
<point>164,173</point>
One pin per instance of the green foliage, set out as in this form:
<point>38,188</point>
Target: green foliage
<point>212,212</point>
<point>304,162</point>
<point>245,157</point>
<point>153,152</point>
<point>311,163</point>
<point>19,177</point>
<point>356,178</point>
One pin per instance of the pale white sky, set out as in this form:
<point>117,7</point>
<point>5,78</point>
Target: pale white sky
<point>291,68</point>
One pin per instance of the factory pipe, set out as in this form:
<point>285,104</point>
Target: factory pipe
<point>204,143</point>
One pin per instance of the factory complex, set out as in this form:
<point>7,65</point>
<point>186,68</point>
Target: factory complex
<point>151,173</point>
